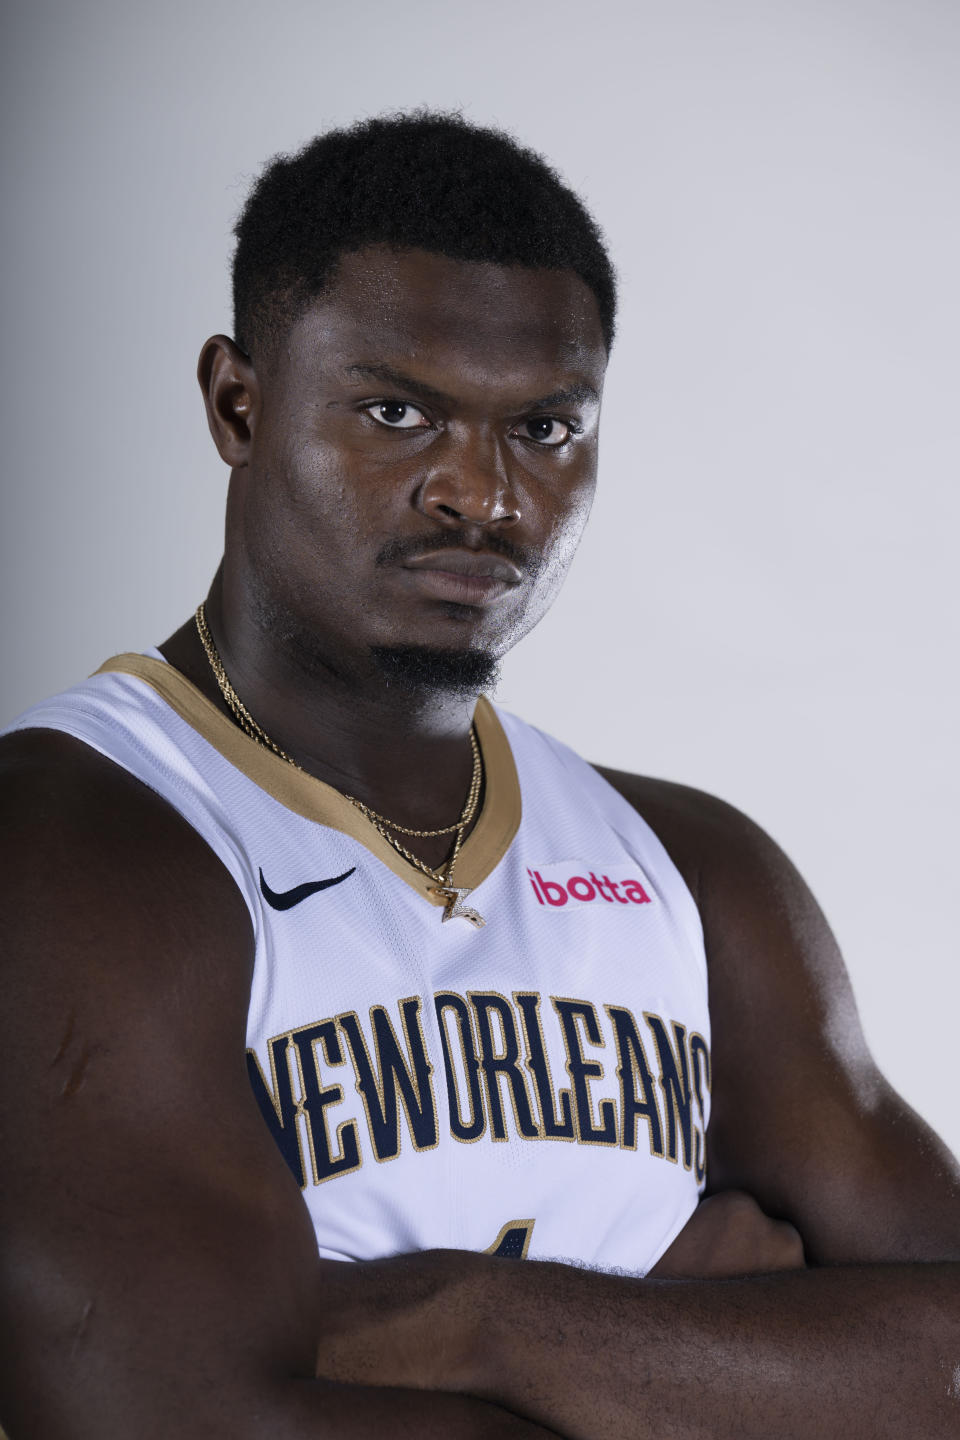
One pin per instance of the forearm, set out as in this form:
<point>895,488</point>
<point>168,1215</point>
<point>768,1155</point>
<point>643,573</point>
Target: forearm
<point>853,1353</point>
<point>111,1367</point>
<point>295,1409</point>
<point>317,1410</point>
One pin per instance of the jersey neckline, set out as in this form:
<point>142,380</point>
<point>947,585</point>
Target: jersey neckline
<point>315,800</point>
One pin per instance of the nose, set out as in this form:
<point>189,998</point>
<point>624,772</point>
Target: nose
<point>469,483</point>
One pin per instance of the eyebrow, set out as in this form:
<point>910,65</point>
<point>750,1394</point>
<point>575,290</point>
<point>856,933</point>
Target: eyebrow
<point>398,378</point>
<point>578,394</point>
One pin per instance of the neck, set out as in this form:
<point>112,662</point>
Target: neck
<point>404,751</point>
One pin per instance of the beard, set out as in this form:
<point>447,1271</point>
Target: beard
<point>407,669</point>
<point>422,669</point>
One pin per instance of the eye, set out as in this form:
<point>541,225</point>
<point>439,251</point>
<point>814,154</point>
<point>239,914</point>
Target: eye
<point>398,414</point>
<point>545,430</point>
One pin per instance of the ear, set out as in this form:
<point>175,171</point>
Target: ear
<point>231,393</point>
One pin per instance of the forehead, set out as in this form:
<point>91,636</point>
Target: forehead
<point>457,318</point>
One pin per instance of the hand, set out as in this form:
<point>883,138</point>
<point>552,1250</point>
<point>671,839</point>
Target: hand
<point>728,1234</point>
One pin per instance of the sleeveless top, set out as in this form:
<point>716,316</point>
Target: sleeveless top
<point>539,1086</point>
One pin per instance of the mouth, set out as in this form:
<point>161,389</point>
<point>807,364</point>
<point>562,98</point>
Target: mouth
<point>468,577</point>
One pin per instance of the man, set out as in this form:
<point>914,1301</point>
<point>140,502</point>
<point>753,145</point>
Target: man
<point>312,956</point>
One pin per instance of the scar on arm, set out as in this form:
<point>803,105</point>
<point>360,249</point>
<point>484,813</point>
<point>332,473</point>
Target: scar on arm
<point>81,1329</point>
<point>64,1045</point>
<point>77,1073</point>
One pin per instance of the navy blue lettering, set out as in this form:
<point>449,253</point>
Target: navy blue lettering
<point>278,1107</point>
<point>506,1064</point>
<point>700,1064</point>
<point>581,1071</point>
<point>675,1084</point>
<point>396,1078</point>
<point>539,1067</point>
<point>316,1098</point>
<point>473,1127</point>
<point>632,1069</point>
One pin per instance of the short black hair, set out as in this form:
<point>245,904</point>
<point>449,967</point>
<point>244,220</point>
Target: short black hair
<point>418,180</point>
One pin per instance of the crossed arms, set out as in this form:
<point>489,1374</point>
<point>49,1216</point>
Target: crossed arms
<point>160,1274</point>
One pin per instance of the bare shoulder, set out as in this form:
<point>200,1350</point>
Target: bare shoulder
<point>802,1118</point>
<point>84,843</point>
<point>766,938</point>
<point>701,833</point>
<point>762,924</point>
<point>767,941</point>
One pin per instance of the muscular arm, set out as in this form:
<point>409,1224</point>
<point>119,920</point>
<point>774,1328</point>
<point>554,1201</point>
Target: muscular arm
<point>159,1273</point>
<point>862,1353</point>
<point>864,1344</point>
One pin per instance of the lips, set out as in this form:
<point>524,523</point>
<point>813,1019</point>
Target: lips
<point>470,577</point>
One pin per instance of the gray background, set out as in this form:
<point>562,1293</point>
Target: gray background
<point>763,605</point>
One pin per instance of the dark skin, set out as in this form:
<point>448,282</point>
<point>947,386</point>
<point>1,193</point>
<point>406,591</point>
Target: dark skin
<point>319,487</point>
<point>161,1274</point>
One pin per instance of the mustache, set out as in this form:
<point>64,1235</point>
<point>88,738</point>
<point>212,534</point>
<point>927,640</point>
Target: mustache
<point>395,552</point>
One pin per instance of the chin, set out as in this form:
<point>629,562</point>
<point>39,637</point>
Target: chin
<point>432,668</point>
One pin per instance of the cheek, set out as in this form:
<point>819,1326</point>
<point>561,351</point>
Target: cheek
<point>304,531</point>
<point>564,522</point>
<point>560,524</point>
<point>305,497</point>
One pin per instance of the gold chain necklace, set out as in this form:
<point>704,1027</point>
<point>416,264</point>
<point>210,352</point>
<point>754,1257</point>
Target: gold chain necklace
<point>444,888</point>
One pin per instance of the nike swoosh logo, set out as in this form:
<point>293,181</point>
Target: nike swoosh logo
<point>286,899</point>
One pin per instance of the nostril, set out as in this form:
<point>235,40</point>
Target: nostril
<point>459,499</point>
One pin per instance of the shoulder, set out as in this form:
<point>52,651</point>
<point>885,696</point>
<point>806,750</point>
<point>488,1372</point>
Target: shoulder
<point>712,843</point>
<point>774,964</point>
<point>51,782</point>
<point>100,870</point>
<point>54,786</point>
<point>39,761</point>
<point>765,936</point>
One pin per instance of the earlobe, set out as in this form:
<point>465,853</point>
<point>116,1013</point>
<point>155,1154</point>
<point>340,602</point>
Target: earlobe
<point>231,394</point>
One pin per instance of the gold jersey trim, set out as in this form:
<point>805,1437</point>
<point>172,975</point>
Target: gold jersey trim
<point>484,847</point>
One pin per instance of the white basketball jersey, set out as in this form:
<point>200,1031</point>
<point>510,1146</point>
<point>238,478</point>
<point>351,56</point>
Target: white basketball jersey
<point>537,1086</point>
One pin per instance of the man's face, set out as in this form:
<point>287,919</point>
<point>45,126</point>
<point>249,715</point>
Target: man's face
<point>423,458</point>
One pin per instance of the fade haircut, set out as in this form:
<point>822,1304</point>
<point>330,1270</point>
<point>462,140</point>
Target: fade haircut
<point>420,180</point>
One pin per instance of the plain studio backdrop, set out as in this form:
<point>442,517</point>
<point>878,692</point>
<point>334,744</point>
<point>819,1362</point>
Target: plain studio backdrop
<point>763,605</point>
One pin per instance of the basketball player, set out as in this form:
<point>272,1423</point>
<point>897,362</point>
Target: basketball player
<point>313,956</point>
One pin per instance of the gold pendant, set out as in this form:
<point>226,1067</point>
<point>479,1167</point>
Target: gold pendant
<point>455,907</point>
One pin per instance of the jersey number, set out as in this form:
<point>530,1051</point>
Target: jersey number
<point>513,1240</point>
